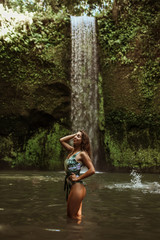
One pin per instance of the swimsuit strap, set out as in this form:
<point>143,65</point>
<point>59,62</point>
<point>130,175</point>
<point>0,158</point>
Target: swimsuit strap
<point>74,155</point>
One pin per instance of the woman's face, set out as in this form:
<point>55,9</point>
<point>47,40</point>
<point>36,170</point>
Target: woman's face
<point>77,139</point>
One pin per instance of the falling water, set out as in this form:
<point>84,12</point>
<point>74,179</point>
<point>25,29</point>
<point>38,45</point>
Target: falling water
<point>84,72</point>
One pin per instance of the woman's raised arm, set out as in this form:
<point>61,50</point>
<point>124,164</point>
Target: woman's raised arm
<point>64,142</point>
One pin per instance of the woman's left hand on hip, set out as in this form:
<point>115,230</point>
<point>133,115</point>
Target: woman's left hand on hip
<point>73,177</point>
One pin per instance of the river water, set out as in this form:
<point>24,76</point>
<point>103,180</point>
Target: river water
<point>117,206</point>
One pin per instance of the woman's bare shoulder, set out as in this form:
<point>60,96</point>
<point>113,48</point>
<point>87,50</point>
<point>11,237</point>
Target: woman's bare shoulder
<point>84,154</point>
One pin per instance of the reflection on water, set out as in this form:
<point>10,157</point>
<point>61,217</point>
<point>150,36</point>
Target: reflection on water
<point>117,206</point>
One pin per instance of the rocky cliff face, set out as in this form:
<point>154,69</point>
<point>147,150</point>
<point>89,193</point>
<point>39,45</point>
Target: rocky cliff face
<point>130,48</point>
<point>35,87</point>
<point>35,91</point>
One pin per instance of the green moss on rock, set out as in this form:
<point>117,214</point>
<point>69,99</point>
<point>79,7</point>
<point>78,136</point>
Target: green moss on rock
<point>122,155</point>
<point>42,150</point>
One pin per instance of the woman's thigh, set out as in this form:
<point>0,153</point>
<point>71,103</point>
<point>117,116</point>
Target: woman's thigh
<point>77,193</point>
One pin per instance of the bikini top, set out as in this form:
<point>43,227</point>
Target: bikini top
<point>72,166</point>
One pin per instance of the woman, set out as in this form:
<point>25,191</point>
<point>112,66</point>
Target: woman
<point>79,155</point>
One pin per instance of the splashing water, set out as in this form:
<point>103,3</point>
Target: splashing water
<point>84,75</point>
<point>136,179</point>
<point>136,184</point>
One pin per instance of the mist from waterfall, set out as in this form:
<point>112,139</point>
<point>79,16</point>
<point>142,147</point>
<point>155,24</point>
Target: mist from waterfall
<point>84,79</point>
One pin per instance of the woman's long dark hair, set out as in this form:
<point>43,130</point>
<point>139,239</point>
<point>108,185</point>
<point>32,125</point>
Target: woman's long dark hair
<point>85,144</point>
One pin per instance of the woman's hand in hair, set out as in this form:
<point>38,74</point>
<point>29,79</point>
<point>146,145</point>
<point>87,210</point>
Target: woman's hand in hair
<point>64,142</point>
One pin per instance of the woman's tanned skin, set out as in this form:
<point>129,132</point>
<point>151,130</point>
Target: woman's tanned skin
<point>78,191</point>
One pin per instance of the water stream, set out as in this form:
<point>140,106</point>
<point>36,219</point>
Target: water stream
<point>84,72</point>
<point>117,206</point>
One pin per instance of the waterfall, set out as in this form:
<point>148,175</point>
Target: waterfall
<point>84,80</point>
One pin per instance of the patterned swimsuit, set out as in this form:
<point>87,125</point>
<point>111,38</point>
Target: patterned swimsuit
<point>71,166</point>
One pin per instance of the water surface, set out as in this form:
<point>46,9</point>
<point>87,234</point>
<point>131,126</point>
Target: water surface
<point>117,206</point>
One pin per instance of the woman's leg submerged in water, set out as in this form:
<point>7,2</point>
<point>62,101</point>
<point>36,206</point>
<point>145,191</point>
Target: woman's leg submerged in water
<point>74,204</point>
